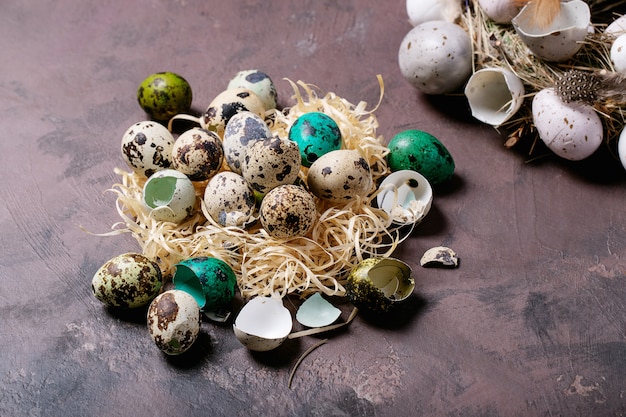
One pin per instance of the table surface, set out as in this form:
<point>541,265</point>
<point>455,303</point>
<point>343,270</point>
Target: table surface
<point>531,323</point>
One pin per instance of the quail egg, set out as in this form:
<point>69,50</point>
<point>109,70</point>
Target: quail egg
<point>340,176</point>
<point>288,211</point>
<point>198,154</point>
<point>229,200</point>
<point>259,83</point>
<point>271,162</point>
<point>169,196</point>
<point>226,105</point>
<point>129,280</point>
<point>147,147</point>
<point>174,321</point>
<point>242,130</point>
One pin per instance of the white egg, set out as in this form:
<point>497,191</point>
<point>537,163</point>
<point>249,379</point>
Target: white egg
<point>147,147</point>
<point>500,11</point>
<point>420,11</point>
<point>169,195</point>
<point>436,57</point>
<point>618,53</point>
<point>573,131</point>
<point>621,148</point>
<point>617,27</point>
<point>263,324</point>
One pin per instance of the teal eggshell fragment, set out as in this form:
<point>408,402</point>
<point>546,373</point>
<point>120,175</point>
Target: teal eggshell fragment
<point>316,134</point>
<point>421,152</point>
<point>210,281</point>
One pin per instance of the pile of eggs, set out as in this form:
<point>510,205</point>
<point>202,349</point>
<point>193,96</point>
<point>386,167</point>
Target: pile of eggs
<point>435,56</point>
<point>250,177</point>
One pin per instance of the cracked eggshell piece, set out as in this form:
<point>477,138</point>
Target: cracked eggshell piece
<point>420,11</point>
<point>263,324</point>
<point>573,131</point>
<point>316,311</point>
<point>406,196</point>
<point>169,195</point>
<point>174,321</point>
<point>441,256</point>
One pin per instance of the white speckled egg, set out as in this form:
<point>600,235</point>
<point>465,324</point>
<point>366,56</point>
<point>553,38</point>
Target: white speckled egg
<point>259,83</point>
<point>169,195</point>
<point>174,321</point>
<point>288,211</point>
<point>621,148</point>
<point>226,105</point>
<point>420,11</point>
<point>198,154</point>
<point>263,324</point>
<point>618,53</point>
<point>340,176</point>
<point>271,162</point>
<point>147,147</point>
<point>436,57</point>
<point>617,27</point>
<point>500,11</point>
<point>571,130</point>
<point>229,200</point>
<point>242,130</point>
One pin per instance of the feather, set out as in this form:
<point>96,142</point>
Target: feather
<point>591,87</point>
<point>542,12</point>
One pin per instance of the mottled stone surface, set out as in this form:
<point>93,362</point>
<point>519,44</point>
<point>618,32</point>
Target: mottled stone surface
<point>531,323</point>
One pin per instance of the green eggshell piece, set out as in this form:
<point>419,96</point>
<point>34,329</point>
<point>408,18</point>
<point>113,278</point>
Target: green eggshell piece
<point>210,281</point>
<point>421,152</point>
<point>164,94</point>
<point>316,134</point>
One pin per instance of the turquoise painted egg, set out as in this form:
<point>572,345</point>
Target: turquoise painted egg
<point>209,280</point>
<point>421,152</point>
<point>316,134</point>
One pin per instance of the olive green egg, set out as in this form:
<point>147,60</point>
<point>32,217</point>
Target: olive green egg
<point>129,280</point>
<point>377,284</point>
<point>164,94</point>
<point>421,152</point>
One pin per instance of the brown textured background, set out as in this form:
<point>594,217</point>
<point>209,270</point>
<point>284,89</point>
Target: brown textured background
<point>531,324</point>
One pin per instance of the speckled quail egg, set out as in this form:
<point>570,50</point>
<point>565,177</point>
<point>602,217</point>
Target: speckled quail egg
<point>226,105</point>
<point>147,147</point>
<point>436,57</point>
<point>229,199</point>
<point>129,280</point>
<point>271,162</point>
<point>174,321</point>
<point>259,83</point>
<point>263,324</point>
<point>242,130</point>
<point>211,281</point>
<point>169,195</point>
<point>316,134</point>
<point>340,176</point>
<point>573,130</point>
<point>198,154</point>
<point>288,211</point>
<point>377,284</point>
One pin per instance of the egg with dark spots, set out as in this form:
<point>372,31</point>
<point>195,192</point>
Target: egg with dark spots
<point>340,176</point>
<point>198,154</point>
<point>258,82</point>
<point>316,134</point>
<point>227,104</point>
<point>421,152</point>
<point>164,94</point>
<point>242,130</point>
<point>211,281</point>
<point>174,321</point>
<point>271,162</point>
<point>147,147</point>
<point>288,211</point>
<point>129,280</point>
<point>229,200</point>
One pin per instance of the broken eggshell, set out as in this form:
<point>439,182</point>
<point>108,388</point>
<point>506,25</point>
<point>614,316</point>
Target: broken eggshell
<point>560,40</point>
<point>169,195</point>
<point>494,95</point>
<point>316,311</point>
<point>406,196</point>
<point>440,256</point>
<point>376,284</point>
<point>263,324</point>
<point>210,281</point>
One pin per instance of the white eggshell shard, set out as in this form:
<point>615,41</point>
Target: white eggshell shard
<point>406,196</point>
<point>174,321</point>
<point>316,311</point>
<point>500,11</point>
<point>263,324</point>
<point>420,11</point>
<point>169,195</point>
<point>621,148</point>
<point>494,95</point>
<point>562,39</point>
<point>618,53</point>
<point>573,131</point>
<point>436,57</point>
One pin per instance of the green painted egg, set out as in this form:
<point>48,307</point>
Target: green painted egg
<point>210,281</point>
<point>129,280</point>
<point>316,134</point>
<point>164,95</point>
<point>421,152</point>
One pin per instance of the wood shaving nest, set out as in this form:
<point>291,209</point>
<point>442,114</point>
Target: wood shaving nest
<point>265,266</point>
